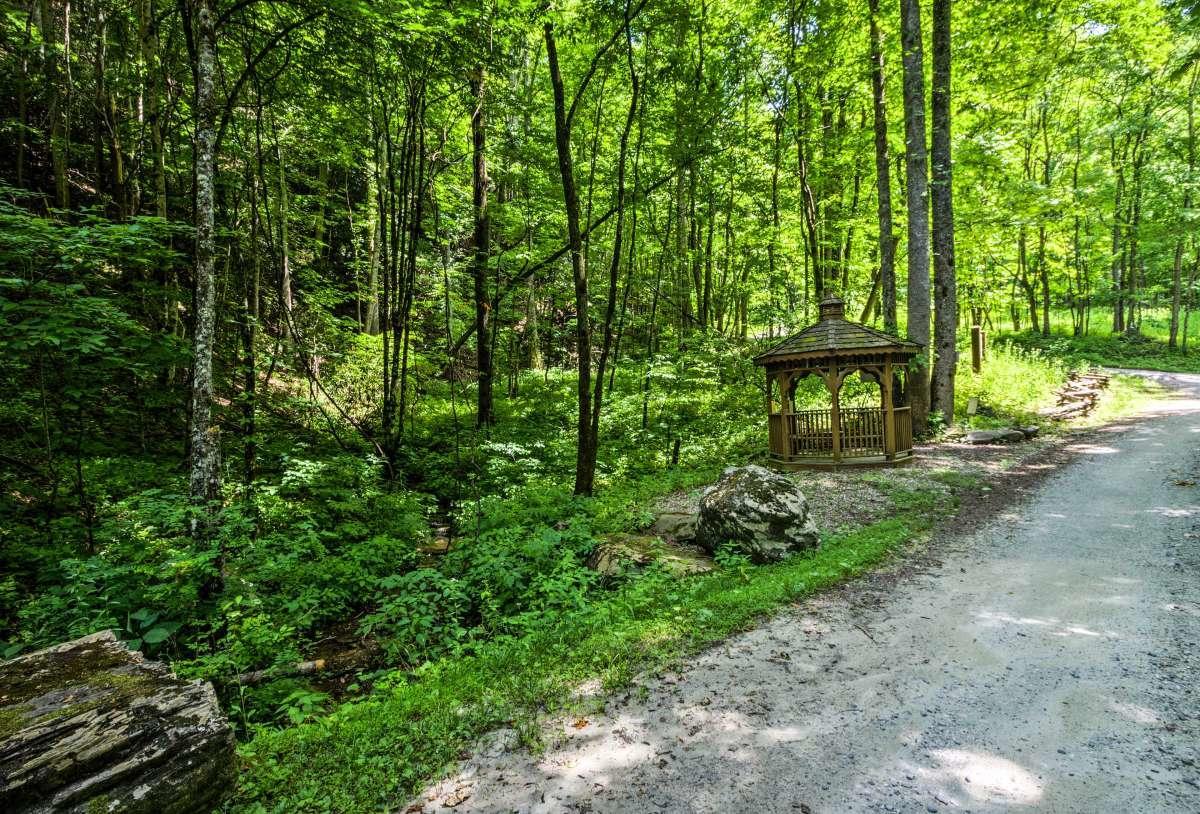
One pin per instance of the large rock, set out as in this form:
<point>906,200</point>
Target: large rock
<point>763,514</point>
<point>90,726</point>
<point>679,526</point>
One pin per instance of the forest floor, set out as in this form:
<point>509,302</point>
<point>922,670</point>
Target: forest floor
<point>1035,655</point>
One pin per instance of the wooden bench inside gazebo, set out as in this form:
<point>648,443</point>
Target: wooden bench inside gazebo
<point>833,349</point>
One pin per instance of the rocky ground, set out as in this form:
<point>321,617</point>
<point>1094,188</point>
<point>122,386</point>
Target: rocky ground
<point>1038,656</point>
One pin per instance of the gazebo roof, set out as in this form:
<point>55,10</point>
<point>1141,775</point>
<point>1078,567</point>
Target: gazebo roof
<point>834,335</point>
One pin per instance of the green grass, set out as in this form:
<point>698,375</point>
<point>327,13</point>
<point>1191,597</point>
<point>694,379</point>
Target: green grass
<point>1110,350</point>
<point>1147,350</point>
<point>1125,396</point>
<point>372,755</point>
<point>1014,383</point>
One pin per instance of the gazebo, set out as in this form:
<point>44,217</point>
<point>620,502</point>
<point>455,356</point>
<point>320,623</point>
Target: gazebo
<point>833,349</point>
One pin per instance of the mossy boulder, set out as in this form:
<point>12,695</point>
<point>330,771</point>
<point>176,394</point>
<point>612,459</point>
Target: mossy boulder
<point>761,513</point>
<point>89,726</point>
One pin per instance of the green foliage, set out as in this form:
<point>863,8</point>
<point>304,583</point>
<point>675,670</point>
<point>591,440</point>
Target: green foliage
<point>418,615</point>
<point>397,739</point>
<point>1073,195</point>
<point>1012,386</point>
<point>1111,350</point>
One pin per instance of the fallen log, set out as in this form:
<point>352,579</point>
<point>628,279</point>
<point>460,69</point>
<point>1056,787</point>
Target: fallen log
<point>331,665</point>
<point>91,726</point>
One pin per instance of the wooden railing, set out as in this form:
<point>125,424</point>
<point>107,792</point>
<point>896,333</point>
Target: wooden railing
<point>809,433</point>
<point>862,432</point>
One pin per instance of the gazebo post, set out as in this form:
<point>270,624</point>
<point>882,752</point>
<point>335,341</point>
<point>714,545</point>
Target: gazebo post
<point>834,384</point>
<point>889,413</point>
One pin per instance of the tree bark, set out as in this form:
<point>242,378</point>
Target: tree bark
<point>916,170</point>
<point>481,242</point>
<point>585,457</point>
<point>205,478</point>
<point>945,292</point>
<point>618,233</point>
<point>57,113</point>
<point>883,184</point>
<point>1177,271</point>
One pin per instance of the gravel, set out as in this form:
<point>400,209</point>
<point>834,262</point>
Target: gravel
<point>1039,658</point>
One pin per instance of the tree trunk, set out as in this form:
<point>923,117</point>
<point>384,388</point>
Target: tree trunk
<point>152,83</point>
<point>618,233</point>
<point>1177,271</point>
<point>585,457</point>
<point>480,240</point>
<point>57,113</point>
<point>918,210</point>
<point>887,241</point>
<point>285,258</point>
<point>945,292</point>
<point>205,479</point>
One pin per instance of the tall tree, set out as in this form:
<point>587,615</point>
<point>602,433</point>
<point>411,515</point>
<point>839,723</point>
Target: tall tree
<point>481,237</point>
<point>945,292</point>
<point>205,478</point>
<point>585,447</point>
<point>883,185</point>
<point>564,117</point>
<point>917,180</point>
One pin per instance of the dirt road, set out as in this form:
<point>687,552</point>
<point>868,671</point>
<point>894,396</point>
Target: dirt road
<point>1048,662</point>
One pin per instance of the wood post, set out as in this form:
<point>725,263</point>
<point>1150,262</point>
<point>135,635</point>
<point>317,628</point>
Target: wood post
<point>834,384</point>
<point>889,413</point>
<point>976,348</point>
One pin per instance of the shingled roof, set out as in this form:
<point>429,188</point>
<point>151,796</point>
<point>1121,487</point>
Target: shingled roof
<point>835,335</point>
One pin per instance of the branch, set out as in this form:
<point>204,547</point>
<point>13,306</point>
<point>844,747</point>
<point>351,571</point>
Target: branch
<point>591,71</point>
<point>529,270</point>
<point>231,100</point>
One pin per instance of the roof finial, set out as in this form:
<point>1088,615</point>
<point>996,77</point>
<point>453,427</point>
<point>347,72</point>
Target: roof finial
<point>832,307</point>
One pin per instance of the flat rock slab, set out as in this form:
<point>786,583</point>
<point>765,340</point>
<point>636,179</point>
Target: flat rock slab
<point>995,436</point>
<point>616,553</point>
<point>90,726</point>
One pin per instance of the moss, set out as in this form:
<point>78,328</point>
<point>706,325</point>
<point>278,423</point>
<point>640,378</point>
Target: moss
<point>11,722</point>
<point>98,805</point>
<point>97,674</point>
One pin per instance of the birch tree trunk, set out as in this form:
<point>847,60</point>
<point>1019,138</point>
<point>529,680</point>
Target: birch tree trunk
<point>205,478</point>
<point>916,170</point>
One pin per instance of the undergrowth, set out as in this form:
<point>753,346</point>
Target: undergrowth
<point>1136,351</point>
<point>371,755</point>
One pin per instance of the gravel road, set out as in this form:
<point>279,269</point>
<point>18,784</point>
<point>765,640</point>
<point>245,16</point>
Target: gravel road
<point>1046,662</point>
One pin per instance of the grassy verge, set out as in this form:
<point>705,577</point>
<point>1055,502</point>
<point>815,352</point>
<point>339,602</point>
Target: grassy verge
<point>1125,396</point>
<point>371,755</point>
<point>1109,350</point>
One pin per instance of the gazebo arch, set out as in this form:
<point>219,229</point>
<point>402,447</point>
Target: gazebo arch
<point>833,349</point>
